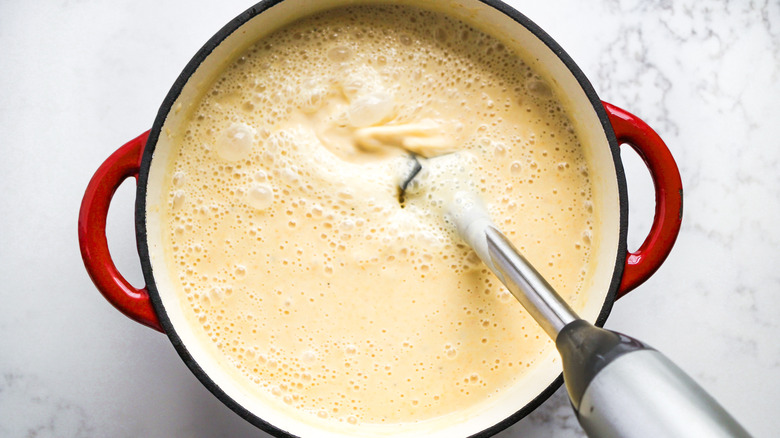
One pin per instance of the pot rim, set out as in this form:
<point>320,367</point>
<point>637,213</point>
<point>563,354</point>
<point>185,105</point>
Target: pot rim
<point>173,94</point>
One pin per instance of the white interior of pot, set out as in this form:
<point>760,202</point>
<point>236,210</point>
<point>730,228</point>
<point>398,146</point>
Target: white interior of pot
<point>605,198</point>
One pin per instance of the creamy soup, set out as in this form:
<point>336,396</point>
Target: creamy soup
<point>310,277</point>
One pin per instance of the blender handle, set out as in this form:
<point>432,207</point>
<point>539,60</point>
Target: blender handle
<point>621,388</point>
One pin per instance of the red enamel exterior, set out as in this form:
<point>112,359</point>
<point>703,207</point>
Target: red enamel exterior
<point>643,263</point>
<point>122,164</point>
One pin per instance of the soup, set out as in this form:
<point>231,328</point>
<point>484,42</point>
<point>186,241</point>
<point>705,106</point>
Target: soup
<point>309,279</point>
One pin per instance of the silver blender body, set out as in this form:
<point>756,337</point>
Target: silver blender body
<point>618,386</point>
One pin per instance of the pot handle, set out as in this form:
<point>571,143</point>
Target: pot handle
<point>643,263</point>
<point>122,164</point>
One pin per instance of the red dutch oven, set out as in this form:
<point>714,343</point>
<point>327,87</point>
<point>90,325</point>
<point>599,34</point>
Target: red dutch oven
<point>602,128</point>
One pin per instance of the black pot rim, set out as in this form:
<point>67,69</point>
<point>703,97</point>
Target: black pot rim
<point>173,94</point>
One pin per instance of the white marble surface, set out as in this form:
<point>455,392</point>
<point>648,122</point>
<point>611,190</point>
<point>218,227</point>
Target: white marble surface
<point>81,77</point>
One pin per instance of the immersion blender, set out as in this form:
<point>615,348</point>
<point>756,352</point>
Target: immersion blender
<point>618,386</point>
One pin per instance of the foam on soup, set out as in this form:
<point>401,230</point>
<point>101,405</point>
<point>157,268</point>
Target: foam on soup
<point>304,273</point>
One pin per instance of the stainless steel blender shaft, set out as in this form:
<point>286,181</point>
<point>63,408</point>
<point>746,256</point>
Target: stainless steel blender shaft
<point>544,304</point>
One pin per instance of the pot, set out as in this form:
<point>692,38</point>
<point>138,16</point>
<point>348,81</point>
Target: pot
<point>602,129</point>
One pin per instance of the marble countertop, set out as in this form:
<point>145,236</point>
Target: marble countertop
<point>79,78</point>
